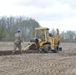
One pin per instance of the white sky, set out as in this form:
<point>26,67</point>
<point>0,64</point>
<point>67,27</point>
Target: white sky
<point>49,13</point>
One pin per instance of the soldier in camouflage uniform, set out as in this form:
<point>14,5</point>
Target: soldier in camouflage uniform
<point>17,42</point>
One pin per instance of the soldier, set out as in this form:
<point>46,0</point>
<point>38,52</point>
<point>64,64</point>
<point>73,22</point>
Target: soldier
<point>17,42</point>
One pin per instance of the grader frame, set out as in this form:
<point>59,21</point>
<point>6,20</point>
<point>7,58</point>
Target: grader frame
<point>44,42</point>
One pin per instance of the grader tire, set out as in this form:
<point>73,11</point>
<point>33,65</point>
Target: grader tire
<point>60,49</point>
<point>56,49</point>
<point>47,48</point>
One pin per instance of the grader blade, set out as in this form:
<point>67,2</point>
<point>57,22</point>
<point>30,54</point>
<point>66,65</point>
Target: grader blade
<point>31,46</point>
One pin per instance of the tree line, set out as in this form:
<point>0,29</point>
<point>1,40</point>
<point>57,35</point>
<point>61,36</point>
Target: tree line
<point>68,36</point>
<point>10,25</point>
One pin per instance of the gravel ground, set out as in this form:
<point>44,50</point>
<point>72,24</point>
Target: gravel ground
<point>62,63</point>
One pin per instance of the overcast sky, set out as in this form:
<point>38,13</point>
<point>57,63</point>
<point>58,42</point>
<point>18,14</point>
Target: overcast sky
<point>49,13</point>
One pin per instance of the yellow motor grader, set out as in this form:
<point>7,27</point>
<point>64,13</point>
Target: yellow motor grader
<point>44,41</point>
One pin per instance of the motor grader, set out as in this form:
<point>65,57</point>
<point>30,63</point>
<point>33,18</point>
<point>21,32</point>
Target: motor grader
<point>44,41</point>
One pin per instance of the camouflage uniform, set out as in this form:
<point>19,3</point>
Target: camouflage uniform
<point>17,42</point>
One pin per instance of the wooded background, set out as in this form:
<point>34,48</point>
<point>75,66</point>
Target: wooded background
<point>10,25</point>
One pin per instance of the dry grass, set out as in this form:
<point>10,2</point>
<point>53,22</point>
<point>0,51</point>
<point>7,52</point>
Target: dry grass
<point>10,45</point>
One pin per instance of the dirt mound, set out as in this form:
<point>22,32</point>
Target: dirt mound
<point>9,52</point>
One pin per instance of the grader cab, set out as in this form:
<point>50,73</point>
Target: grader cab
<point>44,41</point>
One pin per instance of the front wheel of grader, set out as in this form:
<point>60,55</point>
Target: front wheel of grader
<point>47,48</point>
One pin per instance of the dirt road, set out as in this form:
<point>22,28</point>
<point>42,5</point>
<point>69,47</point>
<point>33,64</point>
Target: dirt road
<point>62,63</point>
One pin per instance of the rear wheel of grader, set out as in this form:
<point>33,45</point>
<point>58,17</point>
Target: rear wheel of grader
<point>56,49</point>
<point>47,48</point>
